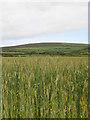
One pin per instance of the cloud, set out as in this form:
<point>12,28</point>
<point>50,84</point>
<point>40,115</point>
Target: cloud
<point>45,0</point>
<point>28,19</point>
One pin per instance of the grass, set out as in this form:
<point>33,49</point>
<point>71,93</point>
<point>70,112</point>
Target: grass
<point>0,86</point>
<point>64,49</point>
<point>44,87</point>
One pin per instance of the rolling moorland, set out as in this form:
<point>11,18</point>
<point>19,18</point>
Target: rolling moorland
<point>45,81</point>
<point>63,49</point>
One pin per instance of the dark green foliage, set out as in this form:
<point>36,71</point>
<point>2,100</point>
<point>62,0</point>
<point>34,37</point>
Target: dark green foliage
<point>62,49</point>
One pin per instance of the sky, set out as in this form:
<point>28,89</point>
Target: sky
<point>35,21</point>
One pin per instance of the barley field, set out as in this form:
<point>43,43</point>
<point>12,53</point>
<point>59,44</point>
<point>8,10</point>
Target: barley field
<point>44,87</point>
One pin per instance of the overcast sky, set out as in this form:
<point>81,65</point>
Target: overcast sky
<point>24,21</point>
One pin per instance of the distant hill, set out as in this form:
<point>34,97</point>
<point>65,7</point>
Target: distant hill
<point>63,49</point>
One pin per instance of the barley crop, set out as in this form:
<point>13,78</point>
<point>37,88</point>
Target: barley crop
<point>44,87</point>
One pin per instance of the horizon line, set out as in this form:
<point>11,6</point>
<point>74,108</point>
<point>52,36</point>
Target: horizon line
<point>43,43</point>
